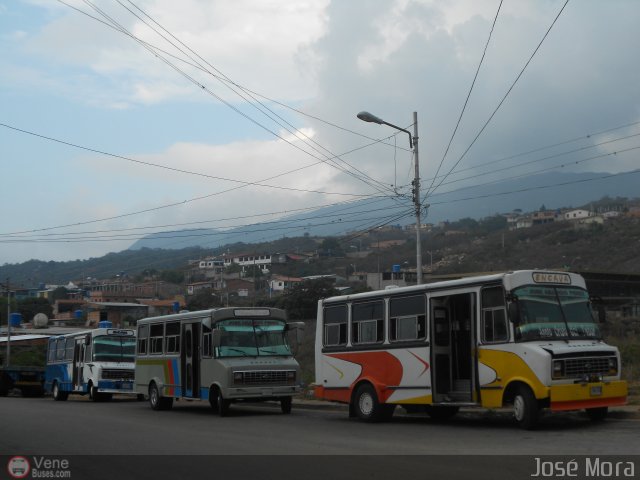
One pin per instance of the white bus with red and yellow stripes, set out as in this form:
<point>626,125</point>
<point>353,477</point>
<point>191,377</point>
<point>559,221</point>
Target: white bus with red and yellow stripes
<point>526,339</point>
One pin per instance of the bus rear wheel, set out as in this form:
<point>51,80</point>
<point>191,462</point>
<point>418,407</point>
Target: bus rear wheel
<point>156,401</point>
<point>58,395</point>
<point>367,407</point>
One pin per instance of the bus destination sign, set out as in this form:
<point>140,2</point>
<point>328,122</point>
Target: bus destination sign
<point>549,277</point>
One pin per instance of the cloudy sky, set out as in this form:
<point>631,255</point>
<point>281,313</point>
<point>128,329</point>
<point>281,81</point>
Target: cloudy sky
<point>120,118</point>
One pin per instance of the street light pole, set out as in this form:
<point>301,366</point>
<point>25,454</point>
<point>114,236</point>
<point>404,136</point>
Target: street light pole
<point>413,143</point>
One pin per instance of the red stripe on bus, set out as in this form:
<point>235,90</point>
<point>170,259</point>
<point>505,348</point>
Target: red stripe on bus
<point>591,403</point>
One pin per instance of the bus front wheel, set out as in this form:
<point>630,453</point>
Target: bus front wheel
<point>219,404</point>
<point>597,414</point>
<point>285,405</point>
<point>525,408</point>
<point>58,395</point>
<point>156,401</point>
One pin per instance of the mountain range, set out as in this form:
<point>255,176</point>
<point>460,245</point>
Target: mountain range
<point>552,190</point>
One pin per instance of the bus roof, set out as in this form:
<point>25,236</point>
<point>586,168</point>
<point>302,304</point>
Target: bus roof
<point>220,313</point>
<point>509,279</point>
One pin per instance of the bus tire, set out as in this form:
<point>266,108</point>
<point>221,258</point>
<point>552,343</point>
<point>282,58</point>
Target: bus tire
<point>525,408</point>
<point>366,405</point>
<point>58,395</point>
<point>285,404</point>
<point>219,404</point>
<point>441,412</point>
<point>156,401</point>
<point>597,414</point>
<point>94,394</point>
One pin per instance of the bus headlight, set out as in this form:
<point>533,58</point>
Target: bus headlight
<point>557,369</point>
<point>613,366</point>
<point>238,377</point>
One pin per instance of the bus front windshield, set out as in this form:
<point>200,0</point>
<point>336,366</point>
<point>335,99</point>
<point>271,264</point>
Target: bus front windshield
<point>114,348</point>
<point>555,313</point>
<point>252,337</point>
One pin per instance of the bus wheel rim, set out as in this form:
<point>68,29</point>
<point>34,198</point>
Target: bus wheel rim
<point>366,404</point>
<point>518,407</point>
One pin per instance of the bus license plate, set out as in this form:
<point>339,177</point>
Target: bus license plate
<point>596,391</point>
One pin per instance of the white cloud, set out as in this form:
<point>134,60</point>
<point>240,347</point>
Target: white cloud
<point>239,38</point>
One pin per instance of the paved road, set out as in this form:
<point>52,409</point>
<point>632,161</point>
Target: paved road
<point>36,426</point>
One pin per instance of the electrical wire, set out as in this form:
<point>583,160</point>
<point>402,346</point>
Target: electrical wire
<point>430,192</point>
<point>464,107</point>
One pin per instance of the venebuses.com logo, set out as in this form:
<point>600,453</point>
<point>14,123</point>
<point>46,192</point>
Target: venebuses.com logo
<point>38,467</point>
<point>18,467</point>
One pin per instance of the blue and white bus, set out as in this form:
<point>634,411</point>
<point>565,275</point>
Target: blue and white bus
<point>97,363</point>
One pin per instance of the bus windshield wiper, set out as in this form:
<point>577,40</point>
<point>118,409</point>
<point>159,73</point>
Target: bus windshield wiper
<point>237,350</point>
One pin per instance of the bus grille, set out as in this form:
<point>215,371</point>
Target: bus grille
<point>118,374</point>
<point>577,367</point>
<point>265,377</point>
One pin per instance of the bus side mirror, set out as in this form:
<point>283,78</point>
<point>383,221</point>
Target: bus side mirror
<point>514,313</point>
<point>216,335</point>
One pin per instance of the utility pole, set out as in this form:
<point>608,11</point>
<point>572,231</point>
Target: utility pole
<point>416,201</point>
<point>8,356</point>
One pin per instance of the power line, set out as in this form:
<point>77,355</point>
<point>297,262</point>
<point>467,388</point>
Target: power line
<point>588,136</point>
<point>501,101</point>
<point>562,165</point>
<point>467,99</point>
<point>539,187</point>
<point>225,80</point>
<point>329,161</point>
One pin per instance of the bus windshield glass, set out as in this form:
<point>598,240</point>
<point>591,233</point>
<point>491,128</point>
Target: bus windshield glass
<point>252,337</point>
<point>114,348</point>
<point>555,313</point>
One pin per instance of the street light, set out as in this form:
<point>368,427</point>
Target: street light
<point>413,143</point>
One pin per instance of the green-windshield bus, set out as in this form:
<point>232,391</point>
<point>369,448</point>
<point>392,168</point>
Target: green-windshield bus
<point>223,355</point>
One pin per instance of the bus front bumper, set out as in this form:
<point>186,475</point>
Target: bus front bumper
<point>588,395</point>
<point>262,392</point>
<point>115,386</point>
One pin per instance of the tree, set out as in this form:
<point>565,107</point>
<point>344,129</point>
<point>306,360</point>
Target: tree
<point>301,302</point>
<point>330,247</point>
<point>172,276</point>
<point>30,307</point>
<point>59,293</point>
<point>203,300</point>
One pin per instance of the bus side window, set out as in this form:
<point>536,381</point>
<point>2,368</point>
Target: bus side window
<point>494,318</point>
<point>156,338</point>
<point>70,345</point>
<point>172,332</point>
<point>143,339</point>
<point>335,325</point>
<point>206,341</point>
<point>51,357</point>
<point>368,322</point>
<point>407,318</point>
<point>60,349</point>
